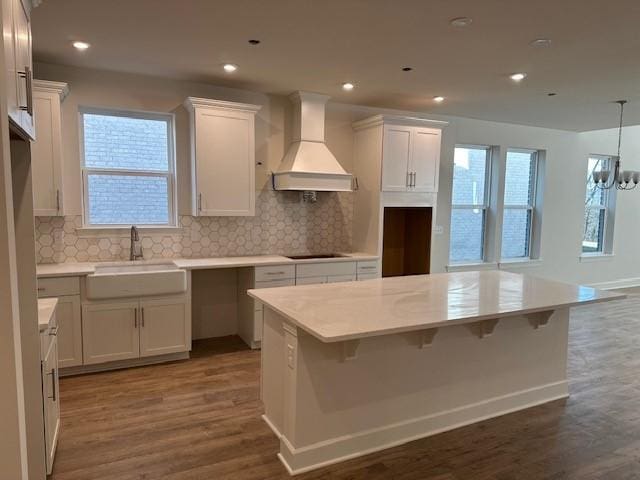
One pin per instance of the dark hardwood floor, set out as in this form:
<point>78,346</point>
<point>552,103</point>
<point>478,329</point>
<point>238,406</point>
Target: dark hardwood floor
<point>200,419</point>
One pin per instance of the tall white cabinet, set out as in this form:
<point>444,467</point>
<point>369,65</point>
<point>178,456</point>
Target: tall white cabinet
<point>46,150</point>
<point>222,157</point>
<point>16,30</point>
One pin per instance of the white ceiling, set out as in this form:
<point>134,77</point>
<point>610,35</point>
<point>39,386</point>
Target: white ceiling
<point>317,45</point>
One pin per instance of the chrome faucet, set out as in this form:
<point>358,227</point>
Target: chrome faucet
<point>135,251</point>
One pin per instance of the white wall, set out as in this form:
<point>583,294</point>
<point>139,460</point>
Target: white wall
<point>566,157</point>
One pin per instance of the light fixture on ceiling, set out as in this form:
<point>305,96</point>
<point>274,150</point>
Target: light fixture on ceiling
<point>460,22</point>
<point>621,179</point>
<point>230,67</point>
<point>348,86</point>
<point>438,99</point>
<point>78,45</point>
<point>540,42</point>
<point>518,77</point>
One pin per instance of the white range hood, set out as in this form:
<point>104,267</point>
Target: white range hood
<point>308,164</point>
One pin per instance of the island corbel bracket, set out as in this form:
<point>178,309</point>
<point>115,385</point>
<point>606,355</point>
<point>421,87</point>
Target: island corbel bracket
<point>539,319</point>
<point>426,337</point>
<point>349,350</point>
<point>483,328</point>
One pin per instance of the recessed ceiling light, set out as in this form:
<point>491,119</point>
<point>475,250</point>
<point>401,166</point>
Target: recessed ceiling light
<point>407,69</point>
<point>540,42</point>
<point>348,86</point>
<point>254,41</point>
<point>230,67</point>
<point>80,45</point>
<point>460,22</point>
<point>518,77</point>
<point>438,99</point>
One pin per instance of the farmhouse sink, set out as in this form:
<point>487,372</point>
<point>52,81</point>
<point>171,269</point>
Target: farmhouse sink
<point>135,280</point>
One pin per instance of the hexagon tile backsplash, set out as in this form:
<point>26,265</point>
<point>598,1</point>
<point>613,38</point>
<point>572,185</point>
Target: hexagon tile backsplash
<point>282,225</point>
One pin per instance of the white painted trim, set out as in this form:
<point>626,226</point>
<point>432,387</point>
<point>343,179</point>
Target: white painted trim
<point>124,231</point>
<point>191,103</point>
<point>596,257</point>
<point>470,267</point>
<point>311,457</point>
<point>119,364</point>
<point>615,284</point>
<point>378,120</point>
<point>524,263</point>
<point>60,88</point>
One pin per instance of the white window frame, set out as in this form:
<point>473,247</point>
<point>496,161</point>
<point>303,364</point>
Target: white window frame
<point>529,207</point>
<point>484,206</point>
<point>170,175</point>
<point>605,245</point>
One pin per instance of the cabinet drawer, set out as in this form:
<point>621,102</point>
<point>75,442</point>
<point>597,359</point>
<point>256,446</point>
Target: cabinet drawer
<point>274,272</point>
<point>369,266</point>
<point>325,269</point>
<point>367,276</point>
<point>58,286</point>
<point>311,280</point>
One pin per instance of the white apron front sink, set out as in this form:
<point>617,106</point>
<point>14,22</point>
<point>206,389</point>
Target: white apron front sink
<point>117,281</point>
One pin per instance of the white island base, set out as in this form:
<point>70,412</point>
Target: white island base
<point>336,401</point>
<point>333,391</point>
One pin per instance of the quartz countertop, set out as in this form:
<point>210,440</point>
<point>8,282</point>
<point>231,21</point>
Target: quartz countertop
<point>81,269</point>
<point>347,311</point>
<point>46,309</point>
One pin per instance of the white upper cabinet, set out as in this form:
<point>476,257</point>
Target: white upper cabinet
<point>16,29</point>
<point>410,158</point>
<point>46,150</point>
<point>222,157</point>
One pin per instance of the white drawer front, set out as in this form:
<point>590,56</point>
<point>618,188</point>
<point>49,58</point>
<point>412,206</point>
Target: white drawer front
<point>369,266</point>
<point>367,276</point>
<point>274,272</point>
<point>311,280</point>
<point>325,269</point>
<point>58,286</point>
<point>285,282</point>
<point>340,278</point>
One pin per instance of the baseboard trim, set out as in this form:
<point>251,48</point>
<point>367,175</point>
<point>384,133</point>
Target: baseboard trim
<point>615,284</point>
<point>322,454</point>
<point>135,362</point>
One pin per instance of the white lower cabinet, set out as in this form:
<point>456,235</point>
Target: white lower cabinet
<point>110,332</point>
<point>68,314</point>
<point>50,389</point>
<point>114,331</point>
<point>368,270</point>
<point>325,272</point>
<point>163,327</point>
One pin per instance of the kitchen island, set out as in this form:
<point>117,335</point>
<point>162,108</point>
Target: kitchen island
<point>352,368</point>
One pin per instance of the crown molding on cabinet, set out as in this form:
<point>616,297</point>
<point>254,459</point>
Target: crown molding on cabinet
<point>193,102</point>
<point>62,89</point>
<point>377,120</point>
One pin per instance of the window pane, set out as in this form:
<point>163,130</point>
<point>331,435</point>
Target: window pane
<point>467,235</point>
<point>593,230</point>
<point>516,230</point>
<point>116,142</point>
<point>127,200</point>
<point>595,195</point>
<point>469,174</point>
<point>519,178</point>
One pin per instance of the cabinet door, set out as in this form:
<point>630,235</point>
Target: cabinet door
<point>24,66</point>
<point>224,158</point>
<point>340,278</point>
<point>46,155</point>
<point>69,331</point>
<point>110,332</point>
<point>50,392</point>
<point>11,74</point>
<point>164,327</point>
<point>425,159</point>
<point>396,150</point>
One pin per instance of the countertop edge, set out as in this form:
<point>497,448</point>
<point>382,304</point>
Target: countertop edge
<point>46,309</point>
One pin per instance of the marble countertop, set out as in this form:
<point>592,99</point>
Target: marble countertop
<point>347,311</point>
<point>46,308</point>
<point>80,269</point>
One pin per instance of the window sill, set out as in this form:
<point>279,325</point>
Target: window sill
<point>86,232</point>
<point>520,263</point>
<point>596,257</point>
<point>468,267</point>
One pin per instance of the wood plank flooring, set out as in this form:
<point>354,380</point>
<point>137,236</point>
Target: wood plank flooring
<point>200,419</point>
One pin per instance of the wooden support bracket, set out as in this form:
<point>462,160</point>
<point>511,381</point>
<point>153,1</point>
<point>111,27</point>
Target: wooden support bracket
<point>483,328</point>
<point>348,350</point>
<point>539,319</point>
<point>426,337</point>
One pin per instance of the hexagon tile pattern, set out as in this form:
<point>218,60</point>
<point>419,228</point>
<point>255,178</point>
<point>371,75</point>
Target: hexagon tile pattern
<point>282,225</point>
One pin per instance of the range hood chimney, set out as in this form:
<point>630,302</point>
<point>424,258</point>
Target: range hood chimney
<point>308,164</point>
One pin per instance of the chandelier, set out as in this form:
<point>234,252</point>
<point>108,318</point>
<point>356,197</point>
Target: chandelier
<point>621,179</point>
